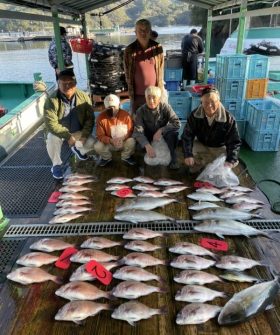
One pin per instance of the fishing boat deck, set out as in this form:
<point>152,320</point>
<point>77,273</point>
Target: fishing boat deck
<point>31,309</point>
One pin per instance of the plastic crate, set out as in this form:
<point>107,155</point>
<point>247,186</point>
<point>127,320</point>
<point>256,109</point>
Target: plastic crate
<point>172,85</point>
<point>173,74</point>
<point>258,67</point>
<point>262,141</point>
<point>126,106</point>
<point>256,88</point>
<point>195,102</point>
<point>236,108</point>
<point>82,45</point>
<point>241,125</point>
<point>231,66</point>
<point>263,115</point>
<point>231,89</point>
<point>173,62</point>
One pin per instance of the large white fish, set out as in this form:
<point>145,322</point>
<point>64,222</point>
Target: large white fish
<point>141,234</point>
<point>81,273</point>
<point>167,182</point>
<point>200,196</point>
<point>141,259</point>
<point>197,313</point>
<point>174,189</point>
<point>195,277</point>
<point>74,189</point>
<point>28,275</point>
<point>246,206</point>
<point>135,273</point>
<point>198,206</point>
<point>99,243</point>
<point>73,203</point>
<point>77,182</point>
<point>72,196</point>
<point>143,179</point>
<point>136,216</point>
<point>211,189</point>
<point>237,263</point>
<point>80,176</point>
<point>145,204</point>
<point>65,218</point>
<point>116,187</point>
<point>197,293</point>
<point>239,277</point>
<point>223,213</point>
<point>191,262</point>
<point>141,246</point>
<point>119,180</point>
<point>152,194</point>
<point>50,245</point>
<point>132,289</point>
<point>36,259</point>
<point>230,194</point>
<point>145,187</point>
<point>249,302</point>
<point>78,311</point>
<point>71,210</point>
<point>134,311</point>
<point>80,290</point>
<point>86,255</point>
<point>238,199</point>
<point>187,248</point>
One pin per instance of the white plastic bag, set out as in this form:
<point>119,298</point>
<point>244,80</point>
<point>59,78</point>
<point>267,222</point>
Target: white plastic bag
<point>217,174</point>
<point>163,156</point>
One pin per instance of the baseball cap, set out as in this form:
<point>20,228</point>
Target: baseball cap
<point>208,90</point>
<point>67,73</point>
<point>111,100</point>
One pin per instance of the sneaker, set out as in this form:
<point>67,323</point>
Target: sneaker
<point>79,154</point>
<point>129,161</point>
<point>104,162</point>
<point>57,172</point>
<point>174,166</point>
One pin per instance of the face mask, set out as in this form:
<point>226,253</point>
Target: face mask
<point>110,111</point>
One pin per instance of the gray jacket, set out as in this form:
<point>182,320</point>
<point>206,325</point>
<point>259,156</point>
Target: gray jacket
<point>148,120</point>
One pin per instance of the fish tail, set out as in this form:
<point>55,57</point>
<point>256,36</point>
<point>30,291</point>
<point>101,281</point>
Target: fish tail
<point>161,281</point>
<point>162,289</point>
<point>58,280</point>
<point>268,235</point>
<point>108,307</point>
<point>162,311</point>
<point>109,295</point>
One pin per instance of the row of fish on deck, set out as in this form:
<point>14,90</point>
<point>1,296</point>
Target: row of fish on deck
<point>154,194</point>
<point>242,306</point>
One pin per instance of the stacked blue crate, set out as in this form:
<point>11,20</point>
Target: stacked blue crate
<point>263,124</point>
<point>173,78</point>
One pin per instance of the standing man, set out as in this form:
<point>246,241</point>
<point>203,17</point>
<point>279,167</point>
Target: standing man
<point>114,128</point>
<point>154,120</point>
<point>143,64</point>
<point>66,52</point>
<point>209,132</point>
<point>191,46</point>
<point>69,116</point>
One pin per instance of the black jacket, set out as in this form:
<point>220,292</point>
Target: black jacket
<point>222,132</point>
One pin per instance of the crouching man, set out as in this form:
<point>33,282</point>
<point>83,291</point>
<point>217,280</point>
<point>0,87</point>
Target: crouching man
<point>114,128</point>
<point>68,116</point>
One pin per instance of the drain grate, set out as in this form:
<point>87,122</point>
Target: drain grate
<point>24,191</point>
<point>9,251</point>
<point>101,228</point>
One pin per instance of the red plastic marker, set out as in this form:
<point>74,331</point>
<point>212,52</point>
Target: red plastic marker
<point>54,197</point>
<point>124,192</point>
<point>99,271</point>
<point>214,244</point>
<point>64,259</point>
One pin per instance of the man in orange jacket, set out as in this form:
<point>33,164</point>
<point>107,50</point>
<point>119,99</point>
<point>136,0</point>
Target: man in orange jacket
<point>114,129</point>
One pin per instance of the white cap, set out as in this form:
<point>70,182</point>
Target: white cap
<point>112,100</point>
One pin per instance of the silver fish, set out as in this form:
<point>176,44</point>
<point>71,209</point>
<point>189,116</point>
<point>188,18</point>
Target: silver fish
<point>249,302</point>
<point>131,289</point>
<point>230,194</point>
<point>80,176</point>
<point>73,203</point>
<point>116,187</point>
<point>195,277</point>
<point>197,313</point>
<point>86,255</point>
<point>71,210</point>
<point>246,206</point>
<point>136,216</point>
<point>187,248</point>
<point>134,311</point>
<point>28,275</point>
<point>236,200</point>
<point>81,274</point>
<point>99,243</point>
<point>65,218</point>
<point>223,213</point>
<point>200,196</point>
<point>239,277</point>
<point>197,293</point>
<point>143,179</point>
<point>167,182</point>
<point>198,206</point>
<point>141,259</point>
<point>74,189</point>
<point>145,187</point>
<point>228,228</point>
<point>72,196</point>
<point>141,246</point>
<point>152,194</point>
<point>191,262</point>
<point>145,204</point>
<point>237,263</point>
<point>119,180</point>
<point>135,273</point>
<point>79,290</point>
<point>241,189</point>
<point>141,234</point>
<point>77,311</point>
<point>50,245</point>
<point>129,195</point>
<point>77,182</point>
<point>211,189</point>
<point>36,259</point>
<point>174,189</point>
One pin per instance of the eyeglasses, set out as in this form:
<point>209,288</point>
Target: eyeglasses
<point>67,84</point>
